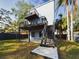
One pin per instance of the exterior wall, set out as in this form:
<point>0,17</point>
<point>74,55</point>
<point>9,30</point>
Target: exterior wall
<point>36,35</point>
<point>47,10</point>
<point>49,30</point>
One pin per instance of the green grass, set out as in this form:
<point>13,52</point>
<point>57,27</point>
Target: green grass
<point>68,50</point>
<point>12,49</point>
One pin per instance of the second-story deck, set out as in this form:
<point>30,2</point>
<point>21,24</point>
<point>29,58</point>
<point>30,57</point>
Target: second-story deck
<point>33,20</point>
<point>33,23</point>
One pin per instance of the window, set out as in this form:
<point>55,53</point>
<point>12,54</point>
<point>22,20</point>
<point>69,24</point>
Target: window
<point>33,34</point>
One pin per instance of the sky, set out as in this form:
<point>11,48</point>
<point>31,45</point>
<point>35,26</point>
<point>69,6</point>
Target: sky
<point>8,4</point>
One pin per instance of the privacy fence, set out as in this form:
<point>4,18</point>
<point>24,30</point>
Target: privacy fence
<point>9,36</point>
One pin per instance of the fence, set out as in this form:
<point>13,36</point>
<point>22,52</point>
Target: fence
<point>9,36</point>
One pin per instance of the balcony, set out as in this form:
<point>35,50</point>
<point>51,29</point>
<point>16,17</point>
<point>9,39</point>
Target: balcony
<point>38,22</point>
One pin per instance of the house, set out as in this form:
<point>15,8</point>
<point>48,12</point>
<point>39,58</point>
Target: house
<point>40,21</point>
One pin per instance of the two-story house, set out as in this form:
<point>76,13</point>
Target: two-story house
<point>40,21</point>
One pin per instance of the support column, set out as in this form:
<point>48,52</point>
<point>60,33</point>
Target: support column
<point>19,33</point>
<point>29,36</point>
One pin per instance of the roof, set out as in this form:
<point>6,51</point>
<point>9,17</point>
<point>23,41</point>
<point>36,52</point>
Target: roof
<point>34,8</point>
<point>43,4</point>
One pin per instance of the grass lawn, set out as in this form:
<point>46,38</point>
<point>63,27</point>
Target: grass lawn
<point>68,50</point>
<point>12,49</point>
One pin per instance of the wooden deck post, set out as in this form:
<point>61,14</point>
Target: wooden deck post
<point>19,33</point>
<point>29,36</point>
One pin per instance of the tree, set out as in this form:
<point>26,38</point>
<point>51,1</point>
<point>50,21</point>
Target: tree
<point>73,4</point>
<point>12,28</point>
<point>21,10</point>
<point>5,18</point>
<point>76,25</point>
<point>76,21</point>
<point>61,25</point>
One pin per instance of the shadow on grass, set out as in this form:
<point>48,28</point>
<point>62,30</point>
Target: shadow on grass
<point>68,50</point>
<point>21,50</point>
<point>73,53</point>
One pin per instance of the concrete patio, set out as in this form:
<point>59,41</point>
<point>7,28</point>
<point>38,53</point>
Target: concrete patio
<point>48,52</point>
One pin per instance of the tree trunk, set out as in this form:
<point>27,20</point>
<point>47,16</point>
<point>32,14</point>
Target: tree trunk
<point>72,34</point>
<point>68,25</point>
